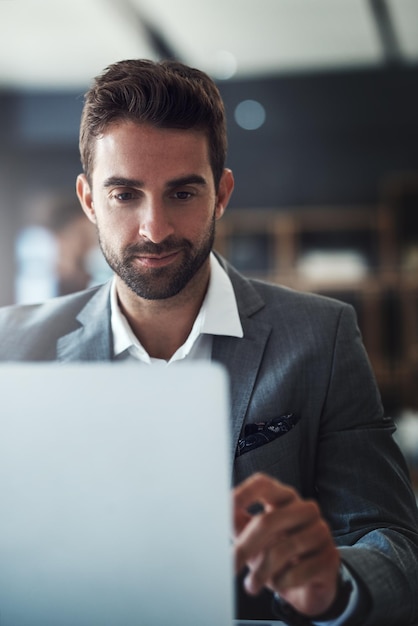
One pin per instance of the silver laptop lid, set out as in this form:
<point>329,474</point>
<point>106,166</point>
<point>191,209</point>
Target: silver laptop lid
<point>114,489</point>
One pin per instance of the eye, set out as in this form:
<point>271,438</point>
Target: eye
<point>123,196</point>
<point>182,195</point>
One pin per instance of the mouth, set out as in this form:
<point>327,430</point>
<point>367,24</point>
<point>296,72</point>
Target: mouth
<point>155,261</point>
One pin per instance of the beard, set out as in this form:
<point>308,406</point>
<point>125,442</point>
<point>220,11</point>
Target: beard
<point>163,282</point>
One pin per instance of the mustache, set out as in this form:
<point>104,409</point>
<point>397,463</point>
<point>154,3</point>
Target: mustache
<point>171,244</point>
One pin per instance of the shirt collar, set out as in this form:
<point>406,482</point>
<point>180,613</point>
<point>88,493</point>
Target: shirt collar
<point>218,315</point>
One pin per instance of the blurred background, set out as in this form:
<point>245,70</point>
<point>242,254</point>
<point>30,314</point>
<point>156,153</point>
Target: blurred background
<point>322,105</point>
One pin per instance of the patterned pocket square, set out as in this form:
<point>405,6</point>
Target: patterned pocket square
<point>260,433</point>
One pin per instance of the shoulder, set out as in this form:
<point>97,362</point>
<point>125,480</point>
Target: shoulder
<point>16,315</point>
<point>295,315</point>
<point>264,298</point>
<point>301,314</point>
<point>24,327</point>
<point>279,295</point>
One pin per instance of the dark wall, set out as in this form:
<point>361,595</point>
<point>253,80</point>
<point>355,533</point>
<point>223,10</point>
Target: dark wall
<point>328,138</point>
<point>39,131</point>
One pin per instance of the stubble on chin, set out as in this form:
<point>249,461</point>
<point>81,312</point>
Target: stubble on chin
<point>159,283</point>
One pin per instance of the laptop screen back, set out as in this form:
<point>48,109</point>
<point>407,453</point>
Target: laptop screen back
<point>115,496</point>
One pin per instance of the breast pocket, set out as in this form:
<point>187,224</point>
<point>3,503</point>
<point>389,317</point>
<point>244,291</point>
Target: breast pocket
<point>280,458</point>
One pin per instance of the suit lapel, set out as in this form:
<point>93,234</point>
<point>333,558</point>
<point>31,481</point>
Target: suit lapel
<point>92,341</point>
<point>242,356</point>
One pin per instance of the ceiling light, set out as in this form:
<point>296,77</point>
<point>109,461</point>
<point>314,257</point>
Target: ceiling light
<point>250,114</point>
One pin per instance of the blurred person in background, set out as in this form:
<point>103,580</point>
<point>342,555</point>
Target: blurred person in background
<point>57,251</point>
<point>76,239</point>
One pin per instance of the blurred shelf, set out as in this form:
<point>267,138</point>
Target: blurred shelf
<point>351,253</point>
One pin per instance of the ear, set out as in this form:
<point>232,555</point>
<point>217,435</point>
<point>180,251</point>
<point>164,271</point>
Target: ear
<point>85,196</point>
<point>226,187</point>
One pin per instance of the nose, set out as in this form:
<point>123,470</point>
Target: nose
<point>155,224</point>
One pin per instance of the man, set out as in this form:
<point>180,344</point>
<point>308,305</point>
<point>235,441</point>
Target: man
<point>325,519</point>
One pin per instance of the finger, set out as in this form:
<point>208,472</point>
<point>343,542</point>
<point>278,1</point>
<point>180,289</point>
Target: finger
<point>262,489</point>
<point>284,557</point>
<point>250,493</point>
<point>241,519</point>
<point>315,569</point>
<point>286,554</point>
<point>266,530</point>
<point>256,537</point>
<point>311,585</point>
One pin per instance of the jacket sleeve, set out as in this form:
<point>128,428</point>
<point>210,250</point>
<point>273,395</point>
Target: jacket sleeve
<point>363,486</point>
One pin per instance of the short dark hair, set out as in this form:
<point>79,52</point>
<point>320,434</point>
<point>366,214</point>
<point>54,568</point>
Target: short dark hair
<point>165,94</point>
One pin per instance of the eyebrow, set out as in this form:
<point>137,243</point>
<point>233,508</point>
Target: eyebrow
<point>117,181</point>
<point>192,179</point>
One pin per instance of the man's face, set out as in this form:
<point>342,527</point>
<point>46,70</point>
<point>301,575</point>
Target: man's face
<point>154,204</point>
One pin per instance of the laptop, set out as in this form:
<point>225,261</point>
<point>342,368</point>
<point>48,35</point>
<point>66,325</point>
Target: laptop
<point>115,496</point>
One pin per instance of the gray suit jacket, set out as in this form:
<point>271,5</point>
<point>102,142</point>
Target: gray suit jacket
<point>300,354</point>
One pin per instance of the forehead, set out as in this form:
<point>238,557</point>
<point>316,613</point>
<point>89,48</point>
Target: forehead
<point>126,146</point>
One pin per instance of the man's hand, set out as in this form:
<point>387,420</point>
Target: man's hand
<point>287,547</point>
